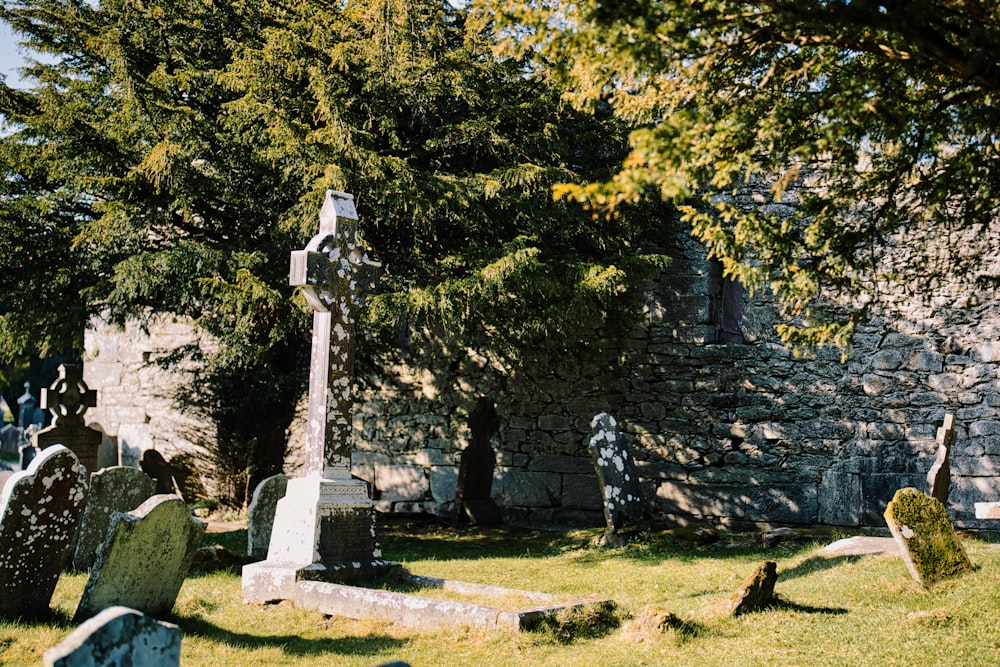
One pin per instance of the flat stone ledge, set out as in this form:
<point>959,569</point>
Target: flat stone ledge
<point>861,546</point>
<point>988,510</point>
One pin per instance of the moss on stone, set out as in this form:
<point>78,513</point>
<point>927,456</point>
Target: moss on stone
<point>932,549</point>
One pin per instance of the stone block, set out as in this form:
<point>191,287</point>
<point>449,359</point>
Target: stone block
<point>118,637</point>
<point>581,492</point>
<point>443,482</point>
<point>789,503</point>
<point>529,489</point>
<point>877,490</point>
<point>397,483</point>
<point>840,498</point>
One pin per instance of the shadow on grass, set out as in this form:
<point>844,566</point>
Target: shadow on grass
<point>816,564</point>
<point>787,605</point>
<point>291,644</point>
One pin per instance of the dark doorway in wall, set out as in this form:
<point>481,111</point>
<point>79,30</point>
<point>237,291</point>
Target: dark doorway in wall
<point>726,305</point>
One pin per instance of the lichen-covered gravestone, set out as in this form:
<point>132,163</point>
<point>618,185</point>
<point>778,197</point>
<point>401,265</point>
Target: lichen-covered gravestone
<point>757,592</point>
<point>921,526</point>
<point>39,512</point>
<point>145,559</point>
<point>260,514</point>
<point>112,490</point>
<point>623,499</point>
<point>118,637</point>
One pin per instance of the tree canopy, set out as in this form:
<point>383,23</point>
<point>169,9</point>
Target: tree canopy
<point>169,156</point>
<point>887,110</point>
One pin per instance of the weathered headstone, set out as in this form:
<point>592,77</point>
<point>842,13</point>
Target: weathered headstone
<point>324,527</point>
<point>28,453</point>
<point>10,439</point>
<point>475,473</point>
<point>620,488</point>
<point>118,637</point>
<point>68,399</point>
<point>39,511</point>
<point>260,514</point>
<point>757,592</point>
<point>153,464</point>
<point>144,560</point>
<point>939,476</point>
<point>112,490</point>
<point>26,404</point>
<point>930,547</point>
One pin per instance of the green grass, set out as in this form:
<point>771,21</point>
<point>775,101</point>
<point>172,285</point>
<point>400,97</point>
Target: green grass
<point>839,611</point>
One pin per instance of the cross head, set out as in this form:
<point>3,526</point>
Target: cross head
<point>68,397</point>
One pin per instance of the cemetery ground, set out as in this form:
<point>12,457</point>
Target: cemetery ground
<point>847,610</point>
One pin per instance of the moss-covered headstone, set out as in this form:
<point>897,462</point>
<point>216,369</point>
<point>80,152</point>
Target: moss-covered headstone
<point>927,540</point>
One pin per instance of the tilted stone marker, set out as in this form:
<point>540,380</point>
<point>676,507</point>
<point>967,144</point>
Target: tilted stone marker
<point>118,637</point>
<point>939,476</point>
<point>930,547</point>
<point>620,489</point>
<point>260,514</point>
<point>324,527</point>
<point>475,473</point>
<point>112,490</point>
<point>39,512</point>
<point>757,592</point>
<point>68,399</point>
<point>145,560</point>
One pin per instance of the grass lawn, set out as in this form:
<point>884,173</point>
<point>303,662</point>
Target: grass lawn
<point>852,610</point>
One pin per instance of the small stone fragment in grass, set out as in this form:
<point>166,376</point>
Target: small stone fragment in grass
<point>757,592</point>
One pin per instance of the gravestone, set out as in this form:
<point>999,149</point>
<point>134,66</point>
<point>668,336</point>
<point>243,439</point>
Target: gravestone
<point>757,592</point>
<point>623,499</point>
<point>144,560</point>
<point>26,409</point>
<point>118,637</point>
<point>939,476</point>
<point>921,526</point>
<point>153,464</point>
<point>68,399</point>
<point>28,453</point>
<point>112,490</point>
<point>39,511</point>
<point>260,514</point>
<point>10,439</point>
<point>324,527</point>
<point>475,473</point>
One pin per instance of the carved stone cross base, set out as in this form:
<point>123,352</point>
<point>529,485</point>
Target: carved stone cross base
<point>324,530</point>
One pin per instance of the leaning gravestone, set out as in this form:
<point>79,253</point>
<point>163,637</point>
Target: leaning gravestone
<point>757,592</point>
<point>68,399</point>
<point>118,637</point>
<point>620,489</point>
<point>112,490</point>
<point>39,511</point>
<point>145,559</point>
<point>939,476</point>
<point>921,526</point>
<point>475,473</point>
<point>260,514</point>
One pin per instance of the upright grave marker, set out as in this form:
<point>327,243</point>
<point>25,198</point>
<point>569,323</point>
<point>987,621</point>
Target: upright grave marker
<point>68,399</point>
<point>39,511</point>
<point>939,476</point>
<point>623,499</point>
<point>324,527</point>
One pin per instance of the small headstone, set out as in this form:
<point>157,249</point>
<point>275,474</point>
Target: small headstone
<point>475,473</point>
<point>10,439</point>
<point>620,489</point>
<point>145,559</point>
<point>260,514</point>
<point>939,476</point>
<point>154,465</point>
<point>118,637</point>
<point>930,547</point>
<point>28,453</point>
<point>68,399</point>
<point>112,490</point>
<point>757,592</point>
<point>39,511</point>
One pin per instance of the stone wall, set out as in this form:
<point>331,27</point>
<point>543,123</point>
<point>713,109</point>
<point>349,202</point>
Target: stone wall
<point>741,433</point>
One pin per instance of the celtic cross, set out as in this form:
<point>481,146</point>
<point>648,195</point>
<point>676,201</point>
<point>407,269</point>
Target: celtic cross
<point>334,273</point>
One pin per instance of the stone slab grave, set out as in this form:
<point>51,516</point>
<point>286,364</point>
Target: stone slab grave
<point>475,474</point>
<point>40,509</point>
<point>118,637</point>
<point>939,476</point>
<point>143,563</point>
<point>260,514</point>
<point>922,528</point>
<point>624,505</point>
<point>324,533</point>
<point>68,399</point>
<point>112,490</point>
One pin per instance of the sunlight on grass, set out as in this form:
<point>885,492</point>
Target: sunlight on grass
<point>832,611</point>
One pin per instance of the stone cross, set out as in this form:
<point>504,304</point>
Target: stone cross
<point>939,476</point>
<point>332,271</point>
<point>68,399</point>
